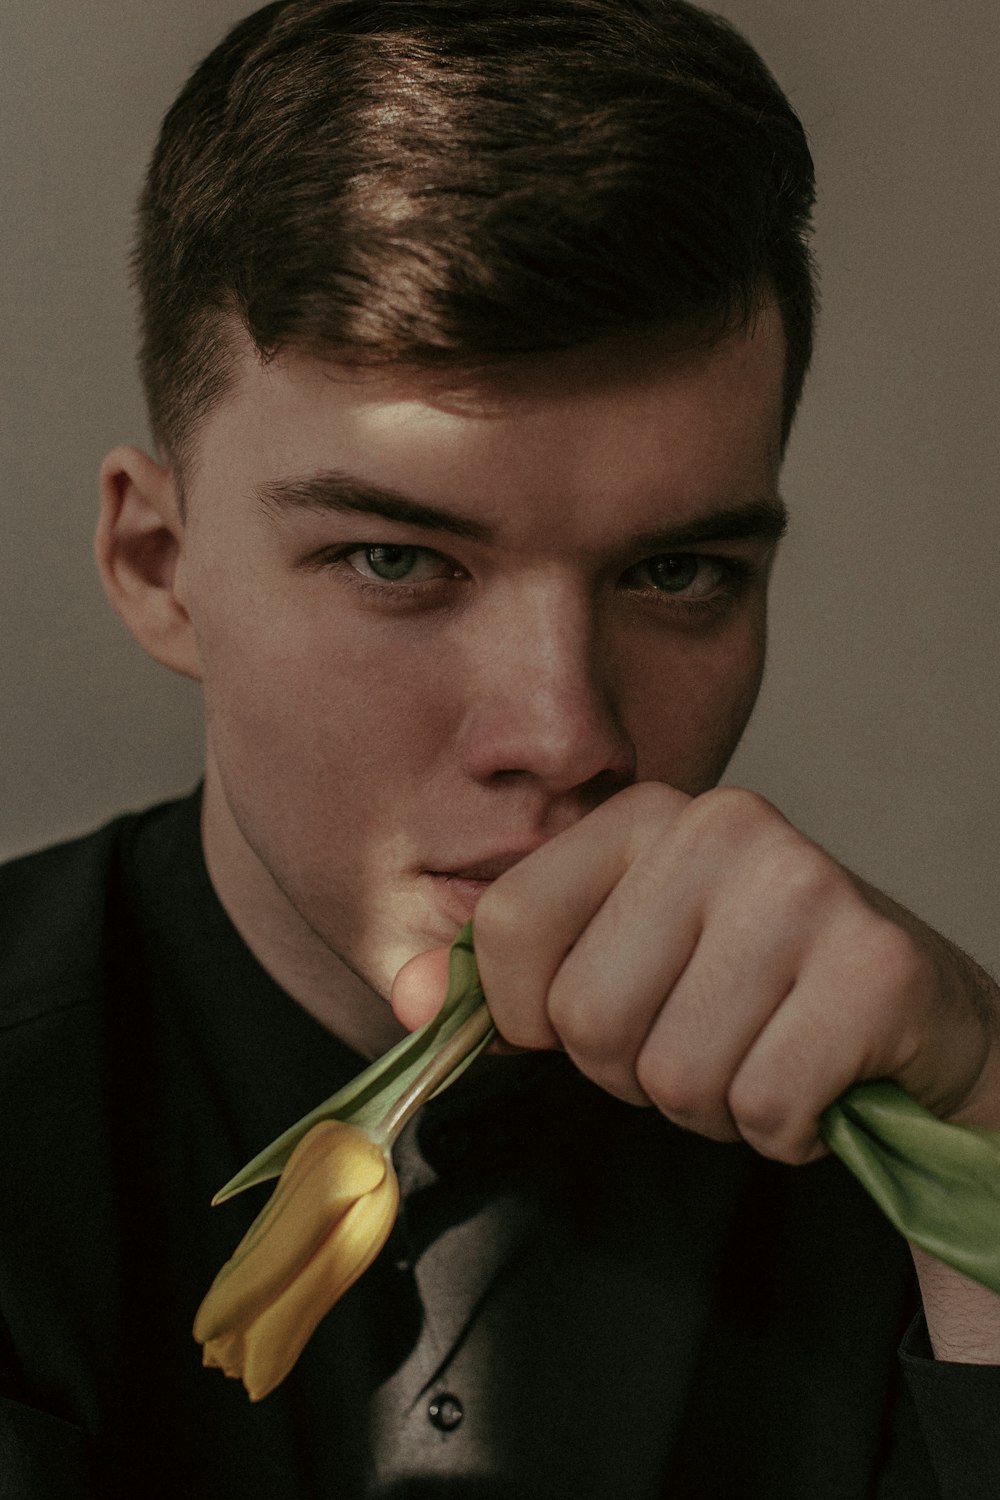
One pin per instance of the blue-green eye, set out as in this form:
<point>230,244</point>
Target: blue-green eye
<point>692,579</point>
<point>673,574</point>
<point>388,562</point>
<point>683,573</point>
<point>391,563</point>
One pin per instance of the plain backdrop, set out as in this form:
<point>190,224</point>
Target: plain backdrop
<point>877,728</point>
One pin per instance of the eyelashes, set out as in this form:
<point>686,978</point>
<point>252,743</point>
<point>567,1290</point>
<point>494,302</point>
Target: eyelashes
<point>393,574</point>
<point>694,576</point>
<point>392,564</point>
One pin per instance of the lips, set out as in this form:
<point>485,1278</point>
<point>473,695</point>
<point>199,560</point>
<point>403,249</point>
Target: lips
<point>484,869</point>
<point>460,887</point>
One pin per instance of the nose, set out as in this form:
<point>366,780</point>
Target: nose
<point>540,696</point>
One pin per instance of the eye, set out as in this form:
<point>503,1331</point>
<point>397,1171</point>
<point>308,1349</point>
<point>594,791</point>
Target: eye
<point>389,563</point>
<point>683,573</point>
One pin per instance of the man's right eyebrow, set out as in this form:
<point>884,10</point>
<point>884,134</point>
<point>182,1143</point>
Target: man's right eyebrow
<point>332,490</point>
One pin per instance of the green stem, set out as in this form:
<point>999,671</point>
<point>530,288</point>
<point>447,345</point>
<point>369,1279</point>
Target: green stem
<point>471,1034</point>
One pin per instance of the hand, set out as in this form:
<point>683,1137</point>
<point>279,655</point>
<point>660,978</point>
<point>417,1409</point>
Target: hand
<point>702,956</point>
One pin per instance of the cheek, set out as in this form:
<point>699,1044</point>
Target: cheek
<point>687,709</point>
<point>327,701</point>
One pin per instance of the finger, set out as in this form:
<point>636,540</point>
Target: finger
<point>677,972</point>
<point>419,988</point>
<point>699,1040</point>
<point>852,1014</point>
<point>616,979</point>
<point>745,965</point>
<point>763,923</point>
<point>537,913</point>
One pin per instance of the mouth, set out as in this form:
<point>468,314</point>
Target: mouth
<point>458,895</point>
<point>459,890</point>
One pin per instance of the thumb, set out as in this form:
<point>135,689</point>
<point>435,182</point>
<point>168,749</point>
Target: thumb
<point>419,988</point>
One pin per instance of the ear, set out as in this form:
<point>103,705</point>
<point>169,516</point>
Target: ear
<point>140,535</point>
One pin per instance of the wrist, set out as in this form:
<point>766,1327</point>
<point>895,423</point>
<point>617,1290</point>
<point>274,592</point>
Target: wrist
<point>963,1318</point>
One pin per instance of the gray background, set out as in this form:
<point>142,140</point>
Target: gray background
<point>879,720</point>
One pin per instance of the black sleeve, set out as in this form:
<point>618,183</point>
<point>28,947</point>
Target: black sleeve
<point>41,1457</point>
<point>958,1407</point>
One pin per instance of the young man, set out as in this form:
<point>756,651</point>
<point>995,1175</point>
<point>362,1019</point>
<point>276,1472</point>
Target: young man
<point>473,335</point>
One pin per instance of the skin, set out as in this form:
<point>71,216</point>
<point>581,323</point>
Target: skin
<point>531,724</point>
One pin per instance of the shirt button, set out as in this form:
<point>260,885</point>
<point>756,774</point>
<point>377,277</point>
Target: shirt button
<point>445,1411</point>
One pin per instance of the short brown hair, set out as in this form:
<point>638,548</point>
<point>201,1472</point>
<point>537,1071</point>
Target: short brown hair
<point>427,181</point>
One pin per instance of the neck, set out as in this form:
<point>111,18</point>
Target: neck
<point>291,951</point>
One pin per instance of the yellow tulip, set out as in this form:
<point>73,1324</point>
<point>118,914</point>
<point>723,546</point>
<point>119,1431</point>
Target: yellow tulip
<point>327,1220</point>
<point>337,1194</point>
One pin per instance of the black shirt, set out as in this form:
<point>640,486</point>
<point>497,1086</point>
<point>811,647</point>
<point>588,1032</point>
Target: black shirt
<point>578,1298</point>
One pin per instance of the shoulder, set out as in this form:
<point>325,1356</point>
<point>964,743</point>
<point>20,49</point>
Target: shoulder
<point>58,908</point>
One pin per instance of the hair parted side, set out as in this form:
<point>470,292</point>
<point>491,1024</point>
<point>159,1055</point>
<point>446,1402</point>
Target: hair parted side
<point>435,181</point>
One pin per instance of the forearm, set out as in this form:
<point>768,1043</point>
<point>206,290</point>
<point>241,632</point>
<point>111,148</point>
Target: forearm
<point>963,1318</point>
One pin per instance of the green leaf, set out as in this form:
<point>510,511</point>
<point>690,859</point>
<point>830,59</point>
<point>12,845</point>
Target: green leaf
<point>368,1098</point>
<point>938,1183</point>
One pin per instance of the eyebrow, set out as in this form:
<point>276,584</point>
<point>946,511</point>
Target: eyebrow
<point>755,520</point>
<point>332,490</point>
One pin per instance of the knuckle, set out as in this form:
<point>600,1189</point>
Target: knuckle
<point>650,807</point>
<point>733,809</point>
<point>613,1080</point>
<point>805,877</point>
<point>523,1029</point>
<point>570,1012</point>
<point>890,955</point>
<point>670,1089</point>
<point>765,1123</point>
<point>752,1109</point>
<point>793,1150</point>
<point>683,1095</point>
<point>583,1024</point>
<point>588,1028</point>
<point>648,798</point>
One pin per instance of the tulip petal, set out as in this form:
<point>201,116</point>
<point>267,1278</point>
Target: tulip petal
<point>332,1168</point>
<point>365,1100</point>
<point>226,1353</point>
<point>274,1340</point>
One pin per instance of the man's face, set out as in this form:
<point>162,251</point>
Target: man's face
<point>436,629</point>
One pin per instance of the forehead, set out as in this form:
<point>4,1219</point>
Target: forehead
<point>625,419</point>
